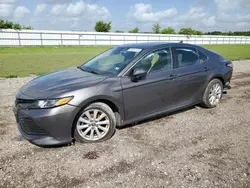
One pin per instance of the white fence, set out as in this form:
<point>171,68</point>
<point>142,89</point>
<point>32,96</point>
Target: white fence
<point>70,38</point>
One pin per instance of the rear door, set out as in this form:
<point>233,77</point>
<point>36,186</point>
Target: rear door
<point>192,69</point>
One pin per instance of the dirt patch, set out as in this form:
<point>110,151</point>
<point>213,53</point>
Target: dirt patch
<point>136,133</point>
<point>121,167</point>
<point>241,76</point>
<point>2,124</point>
<point>241,84</point>
<point>197,140</point>
<point>218,150</point>
<point>198,155</point>
<point>2,132</point>
<point>18,138</point>
<point>91,155</point>
<point>64,181</point>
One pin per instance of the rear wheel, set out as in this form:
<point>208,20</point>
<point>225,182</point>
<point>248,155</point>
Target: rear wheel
<point>212,94</point>
<point>95,123</point>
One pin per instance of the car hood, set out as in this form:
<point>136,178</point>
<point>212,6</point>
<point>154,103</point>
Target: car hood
<point>57,83</point>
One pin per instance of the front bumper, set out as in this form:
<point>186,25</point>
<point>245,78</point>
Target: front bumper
<point>46,127</point>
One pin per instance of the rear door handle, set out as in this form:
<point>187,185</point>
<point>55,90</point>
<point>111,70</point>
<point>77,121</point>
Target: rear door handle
<point>173,76</point>
<point>207,69</point>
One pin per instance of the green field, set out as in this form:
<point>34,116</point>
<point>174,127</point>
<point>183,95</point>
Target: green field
<point>38,60</point>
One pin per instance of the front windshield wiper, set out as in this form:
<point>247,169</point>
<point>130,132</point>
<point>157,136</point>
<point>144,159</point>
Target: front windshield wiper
<point>93,72</point>
<point>90,71</point>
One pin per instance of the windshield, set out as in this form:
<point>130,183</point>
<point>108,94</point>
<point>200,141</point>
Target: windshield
<point>112,61</point>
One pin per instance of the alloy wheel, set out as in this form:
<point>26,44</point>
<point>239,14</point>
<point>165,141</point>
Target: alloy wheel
<point>93,124</point>
<point>215,94</point>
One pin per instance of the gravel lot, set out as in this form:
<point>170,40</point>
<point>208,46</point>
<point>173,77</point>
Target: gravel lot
<point>193,148</point>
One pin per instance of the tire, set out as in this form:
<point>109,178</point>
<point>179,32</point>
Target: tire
<point>87,124</point>
<point>215,83</point>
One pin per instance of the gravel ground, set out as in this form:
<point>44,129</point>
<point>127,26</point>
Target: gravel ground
<point>193,148</point>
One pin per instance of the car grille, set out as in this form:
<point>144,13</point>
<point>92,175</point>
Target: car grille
<point>28,126</point>
<point>24,103</point>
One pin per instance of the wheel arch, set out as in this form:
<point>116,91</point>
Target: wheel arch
<point>219,77</point>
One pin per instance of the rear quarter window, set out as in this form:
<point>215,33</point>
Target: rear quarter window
<point>202,57</point>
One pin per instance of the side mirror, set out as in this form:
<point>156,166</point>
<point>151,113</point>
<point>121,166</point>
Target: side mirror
<point>138,73</point>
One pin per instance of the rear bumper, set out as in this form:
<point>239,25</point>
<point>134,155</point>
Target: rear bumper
<point>227,85</point>
<point>46,127</point>
<point>227,78</point>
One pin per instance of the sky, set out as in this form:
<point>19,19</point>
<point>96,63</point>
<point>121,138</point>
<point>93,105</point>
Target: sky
<point>81,15</point>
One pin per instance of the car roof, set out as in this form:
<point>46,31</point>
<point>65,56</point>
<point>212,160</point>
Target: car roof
<point>151,45</point>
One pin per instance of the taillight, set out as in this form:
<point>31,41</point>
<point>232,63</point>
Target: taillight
<point>230,64</point>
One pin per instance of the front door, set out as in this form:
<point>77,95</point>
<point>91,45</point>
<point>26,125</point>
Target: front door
<point>153,93</point>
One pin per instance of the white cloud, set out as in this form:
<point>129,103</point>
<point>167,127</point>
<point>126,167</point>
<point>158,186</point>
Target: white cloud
<point>40,9</point>
<point>97,11</point>
<point>225,5</point>
<point>78,16</point>
<point>144,13</point>
<point>205,15</point>
<point>6,9</point>
<point>80,9</point>
<point>7,1</point>
<point>58,9</point>
<point>209,21</point>
<point>201,15</point>
<point>57,1</point>
<point>194,13</point>
<point>76,9</point>
<point>20,12</point>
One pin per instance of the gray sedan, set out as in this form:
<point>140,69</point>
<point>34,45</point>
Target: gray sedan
<point>123,85</point>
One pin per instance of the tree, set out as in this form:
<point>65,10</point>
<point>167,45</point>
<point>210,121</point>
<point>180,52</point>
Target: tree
<point>189,31</point>
<point>168,30</point>
<point>214,33</point>
<point>199,33</point>
<point>2,23</point>
<point>27,27</point>
<point>156,28</point>
<point>135,30</point>
<point>6,24</point>
<point>101,26</point>
<point>186,31</point>
<point>17,26</point>
<point>235,33</point>
<point>118,31</point>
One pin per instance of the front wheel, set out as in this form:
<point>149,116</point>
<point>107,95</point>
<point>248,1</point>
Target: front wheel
<point>95,123</point>
<point>212,94</point>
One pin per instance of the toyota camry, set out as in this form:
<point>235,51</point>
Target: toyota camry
<point>122,85</point>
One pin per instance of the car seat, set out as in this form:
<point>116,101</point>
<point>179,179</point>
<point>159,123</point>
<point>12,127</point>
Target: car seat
<point>164,62</point>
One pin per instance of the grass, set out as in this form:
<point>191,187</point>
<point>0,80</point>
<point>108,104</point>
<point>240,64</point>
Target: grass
<point>231,51</point>
<point>24,61</point>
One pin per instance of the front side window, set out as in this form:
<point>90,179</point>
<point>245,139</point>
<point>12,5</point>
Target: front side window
<point>186,56</point>
<point>160,60</point>
<point>112,61</point>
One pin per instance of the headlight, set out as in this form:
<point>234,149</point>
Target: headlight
<point>51,103</point>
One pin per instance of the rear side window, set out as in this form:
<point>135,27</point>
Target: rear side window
<point>186,56</point>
